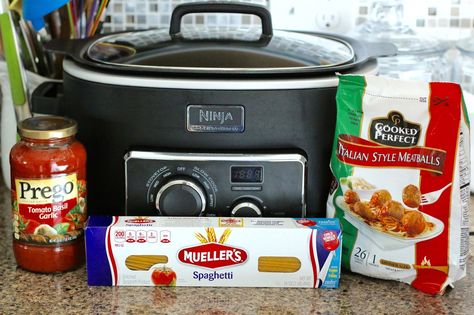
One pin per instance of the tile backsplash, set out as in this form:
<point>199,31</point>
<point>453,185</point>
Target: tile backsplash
<point>141,14</point>
<point>452,19</point>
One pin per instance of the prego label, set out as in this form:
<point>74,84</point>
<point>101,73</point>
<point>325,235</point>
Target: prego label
<point>45,191</point>
<point>49,211</point>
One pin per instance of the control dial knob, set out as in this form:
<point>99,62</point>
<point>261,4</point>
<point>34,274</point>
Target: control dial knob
<point>181,197</point>
<point>246,208</point>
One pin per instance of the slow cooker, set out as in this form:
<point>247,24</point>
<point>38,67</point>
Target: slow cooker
<point>207,121</point>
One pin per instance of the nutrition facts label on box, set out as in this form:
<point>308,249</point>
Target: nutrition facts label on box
<point>464,247</point>
<point>464,182</point>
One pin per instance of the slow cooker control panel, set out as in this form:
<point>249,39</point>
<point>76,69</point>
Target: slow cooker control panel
<point>187,184</point>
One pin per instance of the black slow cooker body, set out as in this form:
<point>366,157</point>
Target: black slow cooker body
<point>116,119</point>
<point>132,91</point>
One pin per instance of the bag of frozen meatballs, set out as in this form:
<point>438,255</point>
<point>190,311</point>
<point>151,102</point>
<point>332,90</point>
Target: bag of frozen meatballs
<point>400,162</point>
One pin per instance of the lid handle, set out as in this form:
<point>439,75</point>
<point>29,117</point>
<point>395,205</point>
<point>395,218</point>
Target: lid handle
<point>220,7</point>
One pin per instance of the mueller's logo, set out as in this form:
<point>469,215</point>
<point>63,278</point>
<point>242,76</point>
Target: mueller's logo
<point>214,116</point>
<point>140,221</point>
<point>212,255</point>
<point>395,131</point>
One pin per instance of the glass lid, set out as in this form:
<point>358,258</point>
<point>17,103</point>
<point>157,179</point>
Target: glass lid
<point>466,45</point>
<point>221,49</point>
<point>386,24</point>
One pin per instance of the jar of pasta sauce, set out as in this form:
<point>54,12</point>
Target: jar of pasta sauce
<point>48,180</point>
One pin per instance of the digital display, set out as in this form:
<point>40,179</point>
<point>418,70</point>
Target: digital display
<point>246,174</point>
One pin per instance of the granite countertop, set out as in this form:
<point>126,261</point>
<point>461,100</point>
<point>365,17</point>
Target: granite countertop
<point>22,292</point>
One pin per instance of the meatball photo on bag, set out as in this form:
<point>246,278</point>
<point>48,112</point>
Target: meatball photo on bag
<point>401,169</point>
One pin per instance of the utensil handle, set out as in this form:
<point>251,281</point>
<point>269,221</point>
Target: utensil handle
<point>13,60</point>
<point>223,7</point>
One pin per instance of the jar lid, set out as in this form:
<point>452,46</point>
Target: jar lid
<point>47,127</point>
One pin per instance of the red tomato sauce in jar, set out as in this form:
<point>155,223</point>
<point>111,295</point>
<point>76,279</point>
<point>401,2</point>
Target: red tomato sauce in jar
<point>48,180</point>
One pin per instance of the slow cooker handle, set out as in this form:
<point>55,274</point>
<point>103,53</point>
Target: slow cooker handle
<point>220,7</point>
<point>48,99</point>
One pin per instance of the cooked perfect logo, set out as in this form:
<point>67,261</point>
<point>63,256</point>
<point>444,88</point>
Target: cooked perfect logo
<point>395,131</point>
<point>212,255</point>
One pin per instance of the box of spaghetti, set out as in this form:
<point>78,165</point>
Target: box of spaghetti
<point>400,162</point>
<point>218,252</point>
